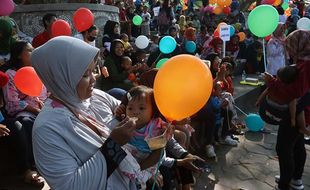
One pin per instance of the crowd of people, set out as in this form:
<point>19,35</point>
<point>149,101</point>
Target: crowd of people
<point>88,128</point>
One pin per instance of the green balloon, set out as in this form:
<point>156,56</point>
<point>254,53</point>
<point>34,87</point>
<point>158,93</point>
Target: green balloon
<point>285,5</point>
<point>263,20</point>
<point>137,20</point>
<point>161,62</point>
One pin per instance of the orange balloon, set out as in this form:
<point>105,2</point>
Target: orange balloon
<point>217,10</point>
<point>212,2</point>
<point>224,3</point>
<point>287,12</point>
<point>28,82</point>
<point>182,86</point>
<point>219,25</point>
<point>241,36</point>
<point>277,3</point>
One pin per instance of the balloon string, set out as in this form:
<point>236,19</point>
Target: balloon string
<point>264,52</point>
<point>157,58</point>
<point>240,110</point>
<point>157,168</point>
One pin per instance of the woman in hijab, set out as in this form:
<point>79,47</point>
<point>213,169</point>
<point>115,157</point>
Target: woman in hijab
<point>75,140</point>
<point>276,51</point>
<point>6,40</point>
<point>290,145</point>
<point>116,73</point>
<point>110,32</point>
<point>17,33</point>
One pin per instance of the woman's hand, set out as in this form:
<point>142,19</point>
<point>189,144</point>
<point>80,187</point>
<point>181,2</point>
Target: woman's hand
<point>4,131</point>
<point>124,131</point>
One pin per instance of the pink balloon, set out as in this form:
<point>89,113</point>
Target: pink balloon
<point>7,7</point>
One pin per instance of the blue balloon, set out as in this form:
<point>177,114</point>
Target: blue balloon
<point>254,122</point>
<point>167,44</point>
<point>190,46</point>
<point>232,30</point>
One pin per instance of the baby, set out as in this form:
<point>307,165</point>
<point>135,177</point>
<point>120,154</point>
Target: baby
<point>126,65</point>
<point>275,94</point>
<point>125,40</point>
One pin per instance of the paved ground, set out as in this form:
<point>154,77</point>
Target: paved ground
<point>252,165</point>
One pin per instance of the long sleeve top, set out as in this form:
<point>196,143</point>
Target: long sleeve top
<point>72,156</point>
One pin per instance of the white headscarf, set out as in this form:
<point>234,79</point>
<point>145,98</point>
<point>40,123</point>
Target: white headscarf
<point>61,63</point>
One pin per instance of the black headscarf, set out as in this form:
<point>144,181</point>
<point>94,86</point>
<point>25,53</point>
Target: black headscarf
<point>116,58</point>
<point>109,29</point>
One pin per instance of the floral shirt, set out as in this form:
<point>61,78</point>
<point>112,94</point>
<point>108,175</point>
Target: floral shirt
<point>16,101</point>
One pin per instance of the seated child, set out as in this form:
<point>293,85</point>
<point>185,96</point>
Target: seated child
<point>139,103</point>
<point>221,104</point>
<point>279,96</point>
<point>127,45</point>
<point>126,65</point>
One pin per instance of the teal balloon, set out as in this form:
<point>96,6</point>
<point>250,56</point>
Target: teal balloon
<point>263,20</point>
<point>167,45</point>
<point>232,30</point>
<point>161,62</point>
<point>254,122</point>
<point>190,46</point>
<point>137,20</point>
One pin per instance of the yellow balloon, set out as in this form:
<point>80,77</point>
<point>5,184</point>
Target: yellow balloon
<point>182,87</point>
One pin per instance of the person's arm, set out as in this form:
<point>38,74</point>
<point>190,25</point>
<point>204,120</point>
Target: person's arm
<point>292,108</point>
<point>58,163</point>
<point>261,96</point>
<point>114,74</point>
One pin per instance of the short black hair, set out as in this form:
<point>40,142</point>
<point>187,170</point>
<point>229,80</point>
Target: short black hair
<point>90,29</point>
<point>47,18</point>
<point>287,74</point>
<point>16,50</point>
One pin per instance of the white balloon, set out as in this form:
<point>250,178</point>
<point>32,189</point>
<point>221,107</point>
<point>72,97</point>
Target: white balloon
<point>303,23</point>
<point>142,42</point>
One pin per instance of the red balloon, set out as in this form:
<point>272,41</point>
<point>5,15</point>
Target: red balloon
<point>268,2</point>
<point>226,10</point>
<point>216,33</point>
<point>83,19</point>
<point>61,28</point>
<point>267,38</point>
<point>28,82</point>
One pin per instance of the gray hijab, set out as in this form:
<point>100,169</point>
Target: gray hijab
<point>60,64</point>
